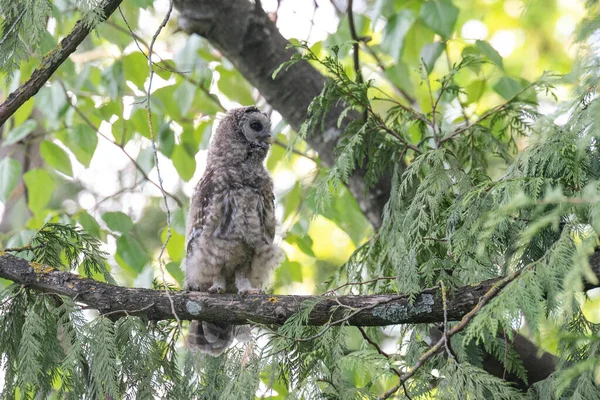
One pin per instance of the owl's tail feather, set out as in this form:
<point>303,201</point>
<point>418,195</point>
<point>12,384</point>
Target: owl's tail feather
<point>215,338</point>
<point>209,337</point>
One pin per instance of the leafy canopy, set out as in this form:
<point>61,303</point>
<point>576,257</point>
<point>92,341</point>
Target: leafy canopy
<point>494,172</point>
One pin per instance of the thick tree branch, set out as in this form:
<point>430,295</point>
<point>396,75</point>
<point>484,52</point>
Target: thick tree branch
<point>372,310</point>
<point>251,41</point>
<point>50,63</point>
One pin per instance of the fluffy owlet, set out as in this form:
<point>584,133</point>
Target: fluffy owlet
<point>231,223</point>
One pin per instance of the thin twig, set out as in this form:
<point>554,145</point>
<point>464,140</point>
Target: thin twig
<point>155,152</point>
<point>330,291</point>
<point>27,247</point>
<point>445,306</point>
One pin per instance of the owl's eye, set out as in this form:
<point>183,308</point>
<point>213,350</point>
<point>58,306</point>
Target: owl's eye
<point>257,126</point>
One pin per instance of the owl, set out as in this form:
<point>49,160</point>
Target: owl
<point>231,222</point>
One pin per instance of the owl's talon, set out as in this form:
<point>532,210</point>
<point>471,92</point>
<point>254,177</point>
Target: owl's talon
<point>216,289</point>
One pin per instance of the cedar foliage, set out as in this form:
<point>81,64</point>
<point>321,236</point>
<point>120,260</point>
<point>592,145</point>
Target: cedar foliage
<point>450,220</point>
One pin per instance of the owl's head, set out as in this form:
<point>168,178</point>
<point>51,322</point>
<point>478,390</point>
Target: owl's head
<point>254,126</point>
<point>244,134</point>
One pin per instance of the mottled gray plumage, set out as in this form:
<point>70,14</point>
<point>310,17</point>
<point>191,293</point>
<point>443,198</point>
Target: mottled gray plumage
<point>231,223</point>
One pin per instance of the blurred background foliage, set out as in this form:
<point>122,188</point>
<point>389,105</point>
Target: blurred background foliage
<point>80,151</point>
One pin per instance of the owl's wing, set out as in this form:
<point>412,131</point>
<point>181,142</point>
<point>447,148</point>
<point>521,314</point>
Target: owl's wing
<point>201,201</point>
<point>266,211</point>
<point>213,209</point>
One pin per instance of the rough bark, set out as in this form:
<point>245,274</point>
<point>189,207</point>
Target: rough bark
<point>372,310</point>
<point>245,35</point>
<point>50,63</point>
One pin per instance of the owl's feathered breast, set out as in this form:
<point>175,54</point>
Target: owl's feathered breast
<point>233,205</point>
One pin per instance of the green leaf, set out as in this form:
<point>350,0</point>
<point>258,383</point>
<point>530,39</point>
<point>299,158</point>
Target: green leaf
<point>304,243</point>
<point>184,163</point>
<point>135,66</point>
<point>40,187</point>
<point>19,133</point>
<point>176,245</point>
<point>439,16</point>
<point>399,75</point>
<point>507,87</point>
<point>418,36</point>
<point>395,32</point>
<point>89,224</point>
<point>118,221</point>
<point>131,256</point>
<point>82,141</point>
<point>23,112</point>
<point>174,268</point>
<point>475,90</point>
<point>113,80</point>
<point>234,86</point>
<point>489,52</point>
<point>289,272</point>
<point>56,157</point>
<point>145,159</point>
<point>166,140</point>
<point>184,97</point>
<point>430,53</point>
<point>10,171</point>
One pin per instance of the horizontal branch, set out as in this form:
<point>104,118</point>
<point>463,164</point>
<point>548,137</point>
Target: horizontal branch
<point>371,310</point>
<point>50,64</point>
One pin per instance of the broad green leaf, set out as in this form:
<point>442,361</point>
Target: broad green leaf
<point>89,224</point>
<point>118,221</point>
<point>113,80</point>
<point>184,97</point>
<point>21,115</point>
<point>418,36</point>
<point>187,58</point>
<point>146,159</point>
<point>304,243</point>
<point>82,141</point>
<point>174,268</point>
<point>291,201</point>
<point>176,245</point>
<point>122,131</point>
<point>439,16</point>
<point>395,31</point>
<point>399,75</point>
<point>166,140</point>
<point>235,86</point>
<point>430,53</point>
<point>475,90</point>
<point>289,272</point>
<point>178,221</point>
<point>10,171</point>
<point>53,103</point>
<point>164,100</point>
<point>130,254</point>
<point>489,52</point>
<point>40,187</point>
<point>135,67</point>
<point>20,132</point>
<point>56,157</point>
<point>184,163</point>
<point>507,87</point>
